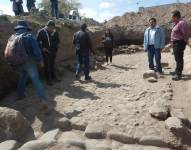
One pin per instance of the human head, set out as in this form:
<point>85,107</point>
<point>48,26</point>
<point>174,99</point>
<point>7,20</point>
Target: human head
<point>176,15</point>
<point>152,22</point>
<point>107,32</point>
<point>51,25</point>
<point>83,26</point>
<point>22,24</point>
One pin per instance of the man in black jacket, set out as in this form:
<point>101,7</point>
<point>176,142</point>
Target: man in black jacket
<point>49,41</point>
<point>17,7</point>
<point>83,44</point>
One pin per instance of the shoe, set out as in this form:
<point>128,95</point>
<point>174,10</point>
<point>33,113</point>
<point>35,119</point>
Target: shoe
<point>77,77</point>
<point>177,78</point>
<point>173,73</point>
<point>45,106</point>
<point>88,78</point>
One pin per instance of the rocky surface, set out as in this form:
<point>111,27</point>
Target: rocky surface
<point>110,112</point>
<point>129,28</point>
<point>14,126</point>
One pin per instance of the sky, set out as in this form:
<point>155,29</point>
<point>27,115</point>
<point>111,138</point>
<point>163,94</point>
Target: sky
<point>101,10</point>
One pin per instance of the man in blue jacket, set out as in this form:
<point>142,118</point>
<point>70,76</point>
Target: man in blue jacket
<point>154,41</point>
<point>29,68</point>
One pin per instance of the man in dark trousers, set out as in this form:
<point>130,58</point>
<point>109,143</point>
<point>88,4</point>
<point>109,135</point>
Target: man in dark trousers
<point>54,8</point>
<point>30,4</point>
<point>83,44</point>
<point>17,7</point>
<point>179,38</point>
<point>48,40</point>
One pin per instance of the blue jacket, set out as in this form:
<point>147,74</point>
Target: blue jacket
<point>159,38</point>
<point>32,47</point>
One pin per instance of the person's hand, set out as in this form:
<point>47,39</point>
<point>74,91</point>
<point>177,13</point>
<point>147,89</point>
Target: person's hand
<point>42,65</point>
<point>45,50</point>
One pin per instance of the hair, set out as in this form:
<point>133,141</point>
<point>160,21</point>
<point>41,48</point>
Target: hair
<point>51,23</point>
<point>176,13</point>
<point>153,19</point>
<point>109,32</point>
<point>83,27</point>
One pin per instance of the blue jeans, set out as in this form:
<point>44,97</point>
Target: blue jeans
<point>54,9</point>
<point>83,59</point>
<point>27,71</point>
<point>152,52</point>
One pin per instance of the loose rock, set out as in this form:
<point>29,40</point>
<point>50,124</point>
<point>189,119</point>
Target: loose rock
<point>63,123</point>
<point>159,110</point>
<point>150,73</point>
<point>95,131</point>
<point>51,135</point>
<point>9,145</point>
<point>14,126</point>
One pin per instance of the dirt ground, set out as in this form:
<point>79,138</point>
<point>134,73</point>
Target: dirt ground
<point>118,97</point>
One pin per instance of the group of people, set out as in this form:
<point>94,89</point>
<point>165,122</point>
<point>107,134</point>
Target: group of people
<point>18,7</point>
<point>154,42</point>
<point>25,52</point>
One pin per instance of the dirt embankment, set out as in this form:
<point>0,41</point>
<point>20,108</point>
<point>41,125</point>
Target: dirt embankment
<point>130,27</point>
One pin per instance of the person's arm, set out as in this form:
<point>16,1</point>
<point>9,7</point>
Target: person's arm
<point>184,30</point>
<point>74,39</point>
<point>89,42</point>
<point>145,40</point>
<point>162,38</point>
<point>35,50</point>
<point>40,37</point>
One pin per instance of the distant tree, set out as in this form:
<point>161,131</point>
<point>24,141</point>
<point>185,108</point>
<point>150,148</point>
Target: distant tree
<point>64,6</point>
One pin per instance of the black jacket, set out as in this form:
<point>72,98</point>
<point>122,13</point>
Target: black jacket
<point>84,41</point>
<point>48,40</point>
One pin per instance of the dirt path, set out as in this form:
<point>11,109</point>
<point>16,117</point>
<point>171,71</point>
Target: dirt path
<point>118,97</point>
<point>182,89</point>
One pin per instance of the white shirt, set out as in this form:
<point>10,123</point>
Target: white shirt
<point>152,36</point>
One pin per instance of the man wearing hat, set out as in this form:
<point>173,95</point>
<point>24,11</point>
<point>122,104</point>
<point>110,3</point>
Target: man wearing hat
<point>179,38</point>
<point>48,40</point>
<point>83,44</point>
<point>29,68</point>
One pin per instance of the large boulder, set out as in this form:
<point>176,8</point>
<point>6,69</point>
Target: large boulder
<point>14,126</point>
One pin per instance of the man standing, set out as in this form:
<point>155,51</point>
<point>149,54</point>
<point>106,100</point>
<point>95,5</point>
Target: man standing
<point>22,52</point>
<point>54,8</point>
<point>17,7</point>
<point>83,45</point>
<point>179,38</point>
<point>154,41</point>
<point>48,40</point>
<point>31,4</point>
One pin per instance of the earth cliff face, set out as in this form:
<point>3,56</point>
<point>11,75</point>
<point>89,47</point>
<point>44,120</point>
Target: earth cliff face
<point>130,27</point>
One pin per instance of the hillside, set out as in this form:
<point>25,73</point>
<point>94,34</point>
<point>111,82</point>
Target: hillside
<point>130,27</point>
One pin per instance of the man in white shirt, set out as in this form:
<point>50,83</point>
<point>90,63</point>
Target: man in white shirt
<point>154,41</point>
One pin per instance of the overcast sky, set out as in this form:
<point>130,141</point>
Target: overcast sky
<point>102,9</point>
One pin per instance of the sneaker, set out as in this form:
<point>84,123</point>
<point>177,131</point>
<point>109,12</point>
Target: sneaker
<point>77,77</point>
<point>19,98</point>
<point>45,106</point>
<point>56,80</point>
<point>177,78</point>
<point>88,78</point>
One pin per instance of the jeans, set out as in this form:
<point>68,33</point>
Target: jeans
<point>27,71</point>
<point>152,52</point>
<point>178,49</point>
<point>83,59</point>
<point>54,9</point>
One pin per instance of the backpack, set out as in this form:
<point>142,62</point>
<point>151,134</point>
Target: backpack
<point>108,42</point>
<point>15,51</point>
